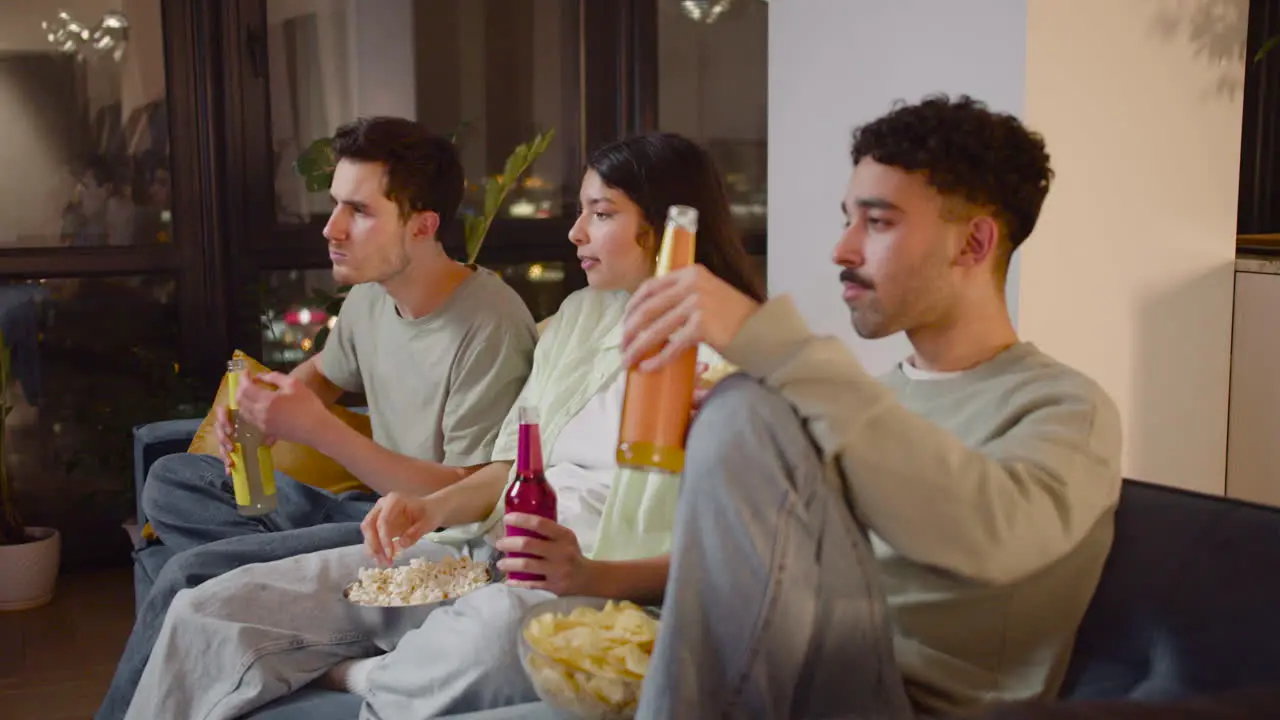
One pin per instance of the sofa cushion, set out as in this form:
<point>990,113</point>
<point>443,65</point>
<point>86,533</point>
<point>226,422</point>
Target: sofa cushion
<point>1187,601</point>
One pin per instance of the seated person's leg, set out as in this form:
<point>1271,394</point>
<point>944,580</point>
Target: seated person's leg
<point>463,658</point>
<point>189,501</point>
<point>254,634</point>
<point>765,545</point>
<point>198,565</point>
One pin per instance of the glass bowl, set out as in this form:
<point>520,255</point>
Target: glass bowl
<point>570,689</point>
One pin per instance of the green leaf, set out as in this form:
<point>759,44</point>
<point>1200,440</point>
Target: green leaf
<point>513,166</point>
<point>546,141</point>
<point>492,196</point>
<point>1267,46</point>
<point>316,165</point>
<point>458,131</point>
<point>474,229</point>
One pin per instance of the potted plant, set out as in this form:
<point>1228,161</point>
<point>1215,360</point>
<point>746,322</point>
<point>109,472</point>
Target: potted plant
<point>29,556</point>
<point>317,163</point>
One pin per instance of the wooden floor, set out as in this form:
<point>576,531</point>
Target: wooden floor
<point>56,661</point>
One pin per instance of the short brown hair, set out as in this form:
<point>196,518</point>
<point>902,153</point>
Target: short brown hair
<point>424,172</point>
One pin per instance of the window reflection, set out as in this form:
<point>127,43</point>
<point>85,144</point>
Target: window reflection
<point>713,87</point>
<point>296,305</point>
<point>91,358</point>
<point>495,73</point>
<point>542,285</point>
<point>86,146</point>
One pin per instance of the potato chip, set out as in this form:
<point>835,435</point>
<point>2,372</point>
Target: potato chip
<point>592,661</point>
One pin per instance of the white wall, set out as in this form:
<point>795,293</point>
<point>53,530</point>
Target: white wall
<point>835,64</point>
<point>1129,274</point>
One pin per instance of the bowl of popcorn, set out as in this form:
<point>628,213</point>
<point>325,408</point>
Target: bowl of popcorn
<point>395,600</point>
<point>587,657</point>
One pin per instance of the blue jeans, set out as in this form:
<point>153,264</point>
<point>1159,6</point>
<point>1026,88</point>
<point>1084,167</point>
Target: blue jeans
<point>191,505</point>
<point>189,501</point>
<point>773,607</point>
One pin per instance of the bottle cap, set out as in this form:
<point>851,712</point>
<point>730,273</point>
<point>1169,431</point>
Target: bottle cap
<point>684,216</point>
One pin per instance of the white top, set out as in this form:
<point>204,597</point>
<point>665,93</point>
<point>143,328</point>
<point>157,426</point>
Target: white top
<point>915,373</point>
<point>583,462</point>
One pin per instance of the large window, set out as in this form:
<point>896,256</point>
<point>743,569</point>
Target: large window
<point>493,73</point>
<point>1258,215</point>
<point>153,220</point>
<point>99,255</point>
<point>85,157</point>
<point>713,87</point>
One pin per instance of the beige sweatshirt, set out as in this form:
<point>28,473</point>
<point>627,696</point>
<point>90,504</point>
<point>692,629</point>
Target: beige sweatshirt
<point>989,497</point>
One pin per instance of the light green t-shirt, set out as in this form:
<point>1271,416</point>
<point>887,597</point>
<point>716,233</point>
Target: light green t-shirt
<point>438,386</point>
<point>989,498</point>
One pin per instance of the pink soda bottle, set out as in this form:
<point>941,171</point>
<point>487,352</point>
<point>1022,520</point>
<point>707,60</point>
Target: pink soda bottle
<point>530,492</point>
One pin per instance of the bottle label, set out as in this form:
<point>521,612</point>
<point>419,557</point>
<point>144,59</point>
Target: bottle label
<point>266,471</point>
<point>233,385</point>
<point>239,476</point>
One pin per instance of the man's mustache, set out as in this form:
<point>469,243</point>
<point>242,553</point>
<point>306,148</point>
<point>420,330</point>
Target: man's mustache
<point>851,277</point>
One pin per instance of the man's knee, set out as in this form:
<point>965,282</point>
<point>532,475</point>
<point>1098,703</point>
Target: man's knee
<point>748,439</point>
<point>739,406</point>
<point>167,479</point>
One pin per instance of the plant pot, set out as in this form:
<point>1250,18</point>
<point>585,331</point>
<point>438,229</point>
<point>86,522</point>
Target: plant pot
<point>29,571</point>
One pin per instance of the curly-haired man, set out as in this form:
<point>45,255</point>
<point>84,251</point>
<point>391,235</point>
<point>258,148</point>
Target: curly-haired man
<point>925,542</point>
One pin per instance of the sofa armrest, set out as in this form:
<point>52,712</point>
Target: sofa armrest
<point>153,441</point>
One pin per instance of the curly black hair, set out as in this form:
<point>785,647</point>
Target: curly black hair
<point>965,151</point>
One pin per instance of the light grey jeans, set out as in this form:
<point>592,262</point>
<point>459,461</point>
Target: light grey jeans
<point>773,606</point>
<point>260,632</point>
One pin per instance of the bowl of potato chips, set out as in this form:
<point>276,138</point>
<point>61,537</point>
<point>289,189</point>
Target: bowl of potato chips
<point>588,656</point>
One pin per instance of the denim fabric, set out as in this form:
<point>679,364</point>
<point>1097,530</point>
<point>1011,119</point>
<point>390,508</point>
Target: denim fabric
<point>773,607</point>
<point>256,634</point>
<point>189,500</point>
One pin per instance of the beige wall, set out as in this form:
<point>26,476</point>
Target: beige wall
<point>1129,276</point>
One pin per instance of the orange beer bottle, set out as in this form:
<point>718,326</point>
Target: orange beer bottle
<point>657,404</point>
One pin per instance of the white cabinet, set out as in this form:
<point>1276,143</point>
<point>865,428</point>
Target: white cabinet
<point>1253,433</point>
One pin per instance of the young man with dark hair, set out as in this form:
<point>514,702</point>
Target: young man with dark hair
<point>440,350</point>
<point>929,541</point>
